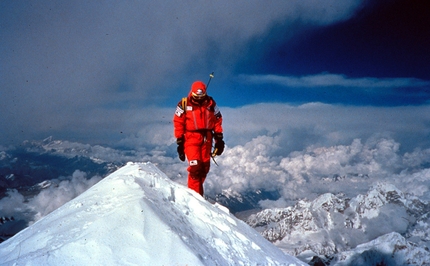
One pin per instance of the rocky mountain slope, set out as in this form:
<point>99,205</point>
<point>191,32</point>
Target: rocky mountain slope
<point>333,227</point>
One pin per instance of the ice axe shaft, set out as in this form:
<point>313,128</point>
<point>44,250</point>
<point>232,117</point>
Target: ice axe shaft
<point>213,159</point>
<point>211,75</point>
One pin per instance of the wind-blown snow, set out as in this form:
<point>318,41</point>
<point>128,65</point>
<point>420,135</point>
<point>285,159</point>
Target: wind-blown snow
<point>137,216</point>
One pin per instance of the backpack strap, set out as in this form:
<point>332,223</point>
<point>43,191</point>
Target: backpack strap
<point>184,104</point>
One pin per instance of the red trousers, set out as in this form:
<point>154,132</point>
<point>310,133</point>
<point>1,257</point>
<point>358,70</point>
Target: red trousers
<point>198,156</point>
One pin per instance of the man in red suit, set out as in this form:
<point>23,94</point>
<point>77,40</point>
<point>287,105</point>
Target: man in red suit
<point>198,121</point>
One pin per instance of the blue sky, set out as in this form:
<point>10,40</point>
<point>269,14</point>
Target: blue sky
<point>387,40</point>
<point>108,72</point>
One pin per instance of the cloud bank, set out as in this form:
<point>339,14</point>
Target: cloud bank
<point>25,210</point>
<point>349,169</point>
<point>324,80</point>
<point>302,150</point>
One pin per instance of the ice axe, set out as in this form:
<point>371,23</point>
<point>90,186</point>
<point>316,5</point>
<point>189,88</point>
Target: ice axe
<point>211,75</point>
<point>213,156</point>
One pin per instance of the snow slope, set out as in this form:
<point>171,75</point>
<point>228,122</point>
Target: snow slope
<point>137,216</point>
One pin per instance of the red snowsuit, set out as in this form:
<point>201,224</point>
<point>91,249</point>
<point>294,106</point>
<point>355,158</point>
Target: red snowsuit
<point>197,123</point>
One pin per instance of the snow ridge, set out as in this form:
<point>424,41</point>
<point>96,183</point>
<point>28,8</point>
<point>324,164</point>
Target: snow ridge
<point>137,216</point>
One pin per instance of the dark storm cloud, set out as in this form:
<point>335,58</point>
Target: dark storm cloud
<point>61,61</point>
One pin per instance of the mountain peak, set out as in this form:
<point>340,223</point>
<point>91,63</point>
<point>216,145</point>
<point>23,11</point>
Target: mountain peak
<point>380,194</point>
<point>138,216</point>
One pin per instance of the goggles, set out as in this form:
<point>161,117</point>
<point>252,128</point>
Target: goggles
<point>198,95</point>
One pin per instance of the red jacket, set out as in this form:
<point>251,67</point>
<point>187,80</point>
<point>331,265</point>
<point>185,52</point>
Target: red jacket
<point>194,119</point>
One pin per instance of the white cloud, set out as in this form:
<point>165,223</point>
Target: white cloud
<point>55,195</point>
<point>60,192</point>
<point>301,150</point>
<point>349,169</point>
<point>331,80</point>
<point>416,183</point>
<point>12,203</point>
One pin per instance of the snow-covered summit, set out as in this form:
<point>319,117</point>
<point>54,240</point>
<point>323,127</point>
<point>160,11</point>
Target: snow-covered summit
<point>137,216</point>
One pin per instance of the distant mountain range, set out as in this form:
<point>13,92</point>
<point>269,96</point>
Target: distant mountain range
<point>334,229</point>
<point>24,167</point>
